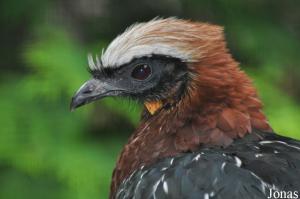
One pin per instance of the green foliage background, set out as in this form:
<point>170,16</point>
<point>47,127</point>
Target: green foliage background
<point>46,151</point>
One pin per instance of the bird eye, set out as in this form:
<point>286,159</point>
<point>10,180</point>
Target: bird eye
<point>141,72</point>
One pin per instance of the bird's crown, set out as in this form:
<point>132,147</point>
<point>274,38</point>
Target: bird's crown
<point>168,37</point>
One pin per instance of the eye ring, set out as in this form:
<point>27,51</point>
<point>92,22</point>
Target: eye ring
<point>141,72</point>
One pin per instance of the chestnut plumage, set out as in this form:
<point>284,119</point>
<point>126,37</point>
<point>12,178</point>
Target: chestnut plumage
<point>202,133</point>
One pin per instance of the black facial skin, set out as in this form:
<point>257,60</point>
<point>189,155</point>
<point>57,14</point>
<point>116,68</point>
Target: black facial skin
<point>167,79</point>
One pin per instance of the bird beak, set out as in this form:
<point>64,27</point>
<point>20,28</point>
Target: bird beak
<point>92,90</point>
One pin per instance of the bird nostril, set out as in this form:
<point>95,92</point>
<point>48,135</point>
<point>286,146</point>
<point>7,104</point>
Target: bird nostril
<point>87,91</point>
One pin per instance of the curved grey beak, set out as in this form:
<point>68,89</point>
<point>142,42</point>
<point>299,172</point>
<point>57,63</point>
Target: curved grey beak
<point>92,90</point>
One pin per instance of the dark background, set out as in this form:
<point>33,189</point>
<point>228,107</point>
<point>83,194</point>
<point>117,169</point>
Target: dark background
<point>46,151</point>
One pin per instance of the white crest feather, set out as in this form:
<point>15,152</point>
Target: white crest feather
<point>169,37</point>
<point>92,64</point>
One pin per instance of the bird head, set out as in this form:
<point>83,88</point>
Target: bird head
<point>167,63</point>
<point>152,62</point>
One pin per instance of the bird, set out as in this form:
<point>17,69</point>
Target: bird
<point>202,133</point>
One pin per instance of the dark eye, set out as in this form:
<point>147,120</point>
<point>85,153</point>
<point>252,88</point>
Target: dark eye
<point>141,72</point>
